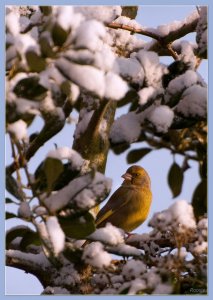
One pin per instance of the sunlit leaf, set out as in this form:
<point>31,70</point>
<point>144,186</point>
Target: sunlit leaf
<point>45,46</point>
<point>59,35</point>
<point>35,62</point>
<point>53,168</point>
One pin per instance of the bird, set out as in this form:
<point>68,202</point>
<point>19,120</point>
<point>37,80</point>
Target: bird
<point>129,205</point>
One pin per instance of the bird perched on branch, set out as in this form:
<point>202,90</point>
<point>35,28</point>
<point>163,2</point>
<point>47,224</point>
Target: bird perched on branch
<point>129,206</point>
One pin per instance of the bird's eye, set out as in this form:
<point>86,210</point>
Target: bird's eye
<point>137,174</point>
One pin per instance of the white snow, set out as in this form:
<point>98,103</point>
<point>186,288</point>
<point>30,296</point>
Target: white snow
<point>64,15</point>
<point>123,20</point>
<point>67,153</point>
<point>18,130</point>
<point>89,35</point>
<point>152,68</point>
<point>87,77</point>
<point>55,290</point>
<point>123,40</point>
<point>29,258</point>
<point>133,269</point>
<point>104,59</point>
<point>36,17</point>
<point>51,73</point>
<point>146,93</point>
<point>108,234</point>
<point>200,247</point>
<point>56,234</point>
<point>148,59</point>
<point>47,105</point>
<point>187,53</point>
<point>95,255</point>
<point>181,82</point>
<point>179,217</point>
<point>163,288</point>
<point>166,29</point>
<point>116,87</point>
<point>203,227</point>
<point>86,199</point>
<point>24,22</point>
<point>130,69</point>
<point>182,213</point>
<point>10,85</point>
<point>12,22</point>
<point>24,42</point>
<point>127,250</point>
<point>26,106</point>
<point>153,278</point>
<point>193,101</point>
<point>67,276</point>
<point>136,286</point>
<point>161,117</point>
<point>84,189</point>
<point>126,128</point>
<point>101,13</point>
<point>75,92</point>
<point>61,198</point>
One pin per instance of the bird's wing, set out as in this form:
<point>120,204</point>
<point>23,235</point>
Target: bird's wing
<point>116,201</point>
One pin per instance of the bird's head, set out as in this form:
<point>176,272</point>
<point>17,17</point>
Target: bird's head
<point>136,175</point>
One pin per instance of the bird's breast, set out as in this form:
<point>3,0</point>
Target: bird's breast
<point>138,207</point>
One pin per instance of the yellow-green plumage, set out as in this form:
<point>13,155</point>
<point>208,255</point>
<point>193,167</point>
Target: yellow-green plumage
<point>129,206</point>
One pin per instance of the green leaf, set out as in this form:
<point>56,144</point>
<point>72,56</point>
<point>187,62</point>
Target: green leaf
<point>129,11</point>
<point>12,186</point>
<point>30,88</point>
<point>135,155</point>
<point>199,199</point>
<point>35,62</point>
<point>30,238</point>
<point>46,46</point>
<point>78,227</point>
<point>10,215</point>
<point>175,179</point>
<point>46,10</point>
<point>119,148</point>
<point>15,232</point>
<point>59,35</point>
<point>53,168</point>
<point>73,255</point>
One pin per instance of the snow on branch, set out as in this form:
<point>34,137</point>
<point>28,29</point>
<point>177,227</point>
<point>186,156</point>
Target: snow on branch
<point>164,34</point>
<point>29,262</point>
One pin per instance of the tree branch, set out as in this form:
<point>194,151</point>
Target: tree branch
<point>163,44</point>
<point>35,264</point>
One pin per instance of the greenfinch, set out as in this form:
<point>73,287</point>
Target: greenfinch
<point>129,206</point>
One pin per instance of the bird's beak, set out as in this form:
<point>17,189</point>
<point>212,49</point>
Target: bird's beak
<point>127,176</point>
